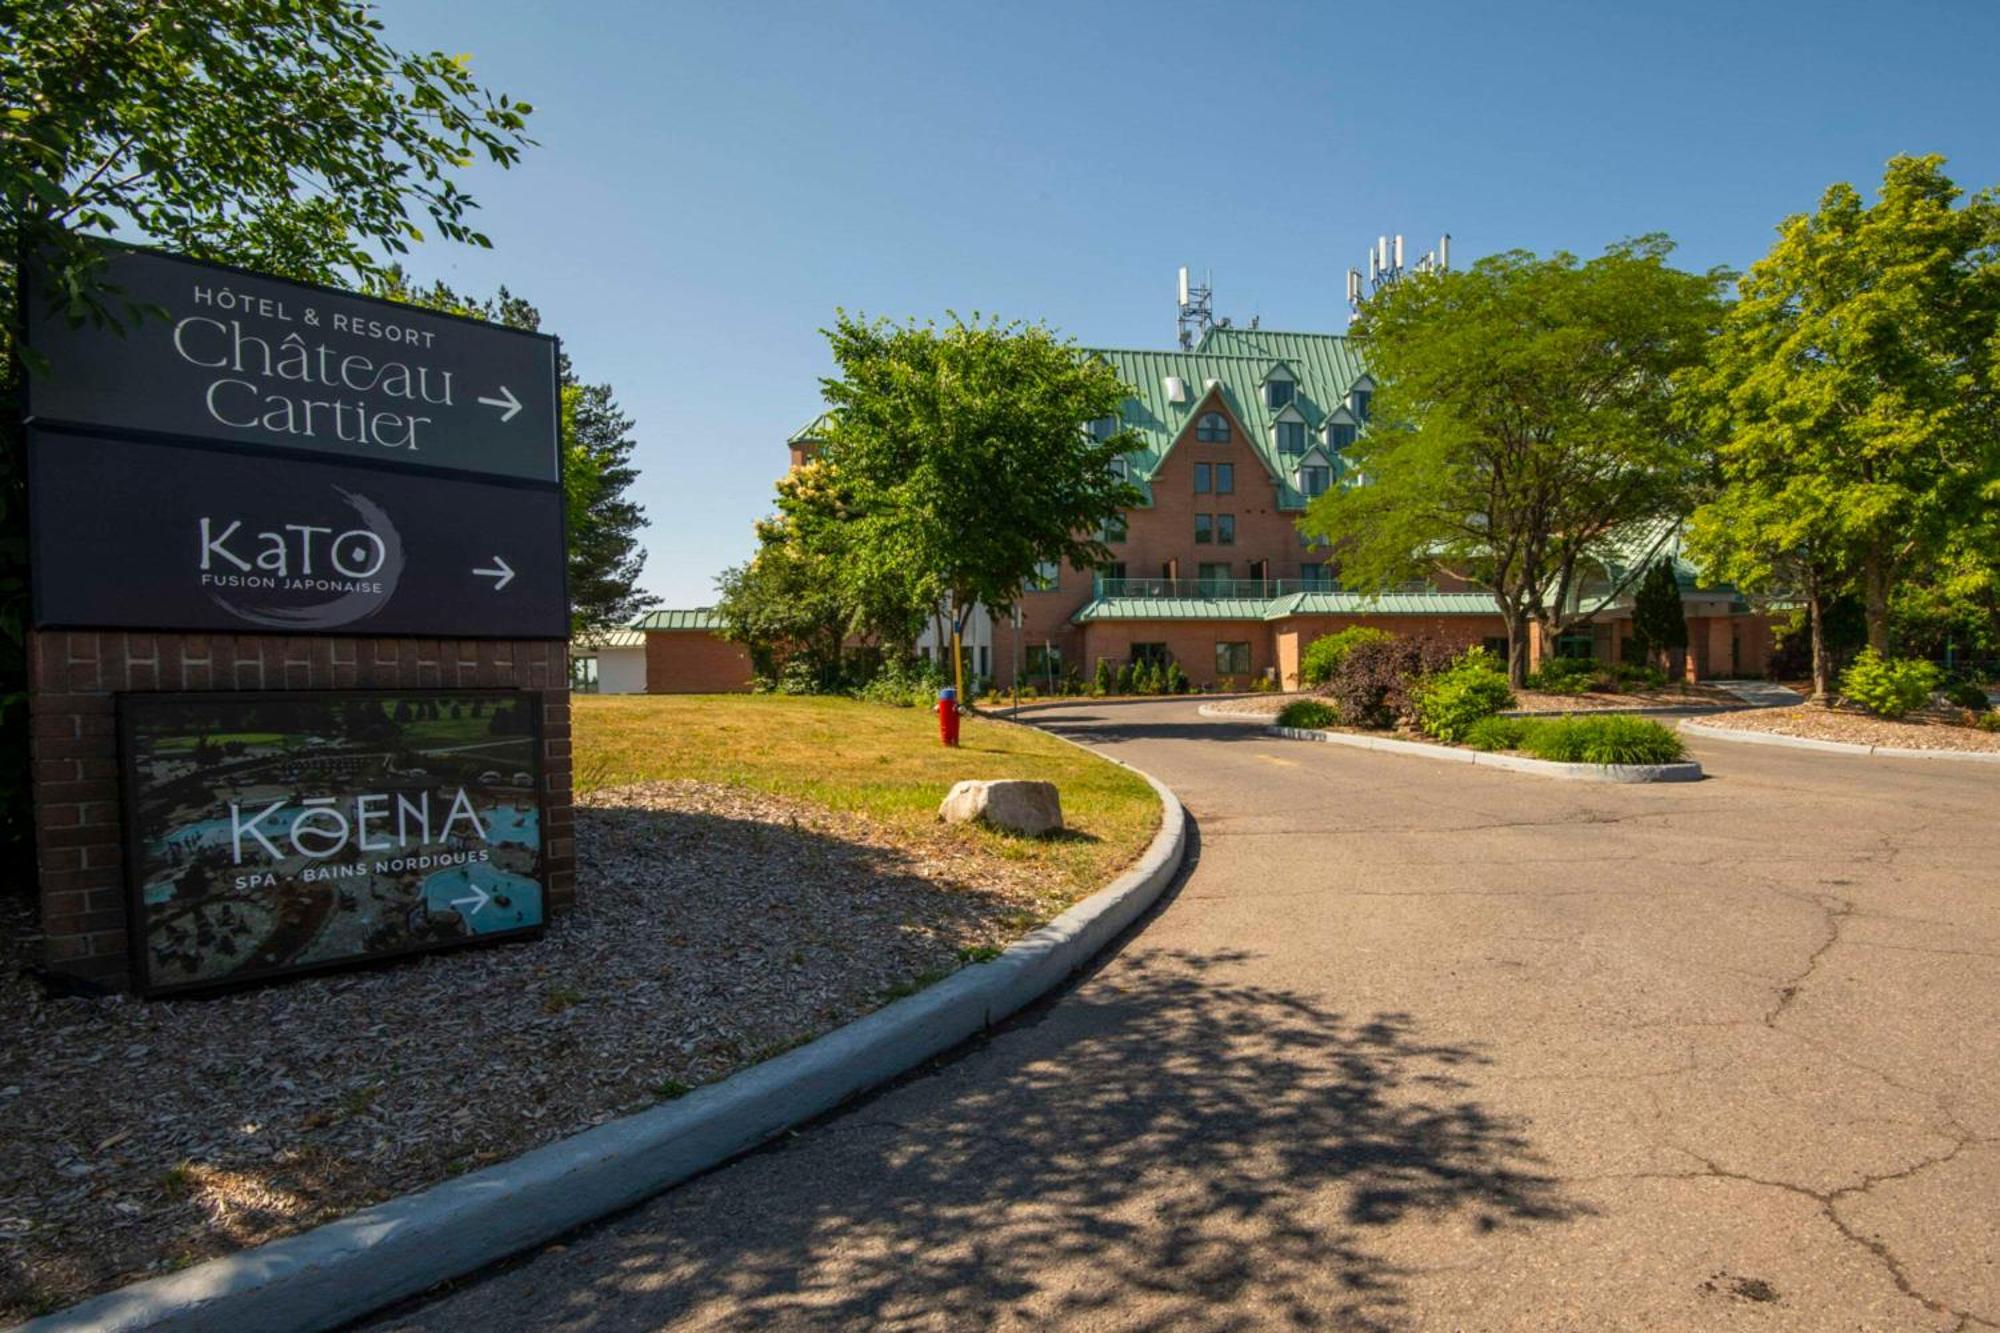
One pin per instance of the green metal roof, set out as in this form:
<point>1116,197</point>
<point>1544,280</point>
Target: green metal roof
<point>1291,604</point>
<point>700,617</point>
<point>810,433</point>
<point>1323,366</point>
<point>1388,604</point>
<point>609,638</point>
<point>1173,608</point>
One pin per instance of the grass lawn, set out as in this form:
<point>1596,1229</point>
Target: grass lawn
<point>870,759</point>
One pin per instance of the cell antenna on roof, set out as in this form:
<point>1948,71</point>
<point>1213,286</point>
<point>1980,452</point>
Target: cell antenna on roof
<point>1197,309</point>
<point>1386,268</point>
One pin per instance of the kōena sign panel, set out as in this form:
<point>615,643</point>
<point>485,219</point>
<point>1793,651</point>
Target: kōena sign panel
<point>150,536</point>
<point>270,833</point>
<point>247,359</point>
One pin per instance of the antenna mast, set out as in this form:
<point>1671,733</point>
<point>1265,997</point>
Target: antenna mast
<point>1197,310</point>
<point>1385,268</point>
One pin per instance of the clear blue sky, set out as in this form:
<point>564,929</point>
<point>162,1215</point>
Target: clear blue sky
<point>714,179</point>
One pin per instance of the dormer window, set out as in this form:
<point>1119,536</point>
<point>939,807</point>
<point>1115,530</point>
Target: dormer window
<point>1339,434</point>
<point>1357,403</point>
<point>1120,470</point>
<point>1291,437</point>
<point>1104,428</point>
<point>1314,478</point>
<point>1278,393</point>
<point>1212,428</point>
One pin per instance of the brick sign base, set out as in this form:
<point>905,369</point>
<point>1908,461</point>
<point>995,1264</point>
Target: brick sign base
<point>75,676</point>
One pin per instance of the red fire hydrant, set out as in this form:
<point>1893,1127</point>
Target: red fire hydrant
<point>947,711</point>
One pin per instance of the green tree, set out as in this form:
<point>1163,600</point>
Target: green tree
<point>1659,621</point>
<point>606,560</point>
<point>283,135</point>
<point>787,604</point>
<point>1853,394</point>
<point>965,456</point>
<point>1523,429</point>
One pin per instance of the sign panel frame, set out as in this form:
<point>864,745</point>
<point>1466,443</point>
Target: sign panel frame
<point>112,368</point>
<point>243,528</point>
<point>314,834</point>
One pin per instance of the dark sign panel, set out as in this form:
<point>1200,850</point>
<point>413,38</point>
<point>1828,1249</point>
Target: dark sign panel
<point>248,359</point>
<point>278,833</point>
<point>150,536</point>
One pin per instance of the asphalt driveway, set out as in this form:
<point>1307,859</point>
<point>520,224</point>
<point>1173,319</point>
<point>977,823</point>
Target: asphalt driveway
<point>1418,1045</point>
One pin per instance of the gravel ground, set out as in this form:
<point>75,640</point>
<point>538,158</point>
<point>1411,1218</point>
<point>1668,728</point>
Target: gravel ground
<point>142,1137</point>
<point>1917,732</point>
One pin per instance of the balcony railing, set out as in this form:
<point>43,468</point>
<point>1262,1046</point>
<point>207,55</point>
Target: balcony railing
<point>1211,588</point>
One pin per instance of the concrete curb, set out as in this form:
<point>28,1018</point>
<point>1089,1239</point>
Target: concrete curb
<point>1688,771</point>
<point>1743,737</point>
<point>337,1273</point>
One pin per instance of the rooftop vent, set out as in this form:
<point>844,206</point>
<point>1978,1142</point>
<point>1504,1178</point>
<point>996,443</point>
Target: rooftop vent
<point>1176,389</point>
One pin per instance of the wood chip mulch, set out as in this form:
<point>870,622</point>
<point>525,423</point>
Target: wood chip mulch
<point>1919,731</point>
<point>1672,696</point>
<point>715,927</point>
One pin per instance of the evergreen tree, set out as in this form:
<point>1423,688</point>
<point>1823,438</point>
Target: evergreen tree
<point>1659,623</point>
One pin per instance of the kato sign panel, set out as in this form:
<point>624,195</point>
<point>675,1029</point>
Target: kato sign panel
<point>278,833</point>
<point>148,536</point>
<point>246,359</point>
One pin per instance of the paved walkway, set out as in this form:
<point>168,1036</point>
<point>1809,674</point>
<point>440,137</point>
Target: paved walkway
<point>1418,1045</point>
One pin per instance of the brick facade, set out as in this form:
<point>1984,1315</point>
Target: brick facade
<point>75,676</point>
<point>695,662</point>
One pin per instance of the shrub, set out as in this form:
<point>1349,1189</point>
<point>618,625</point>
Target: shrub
<point>1564,675</point>
<point>1371,687</point>
<point>1447,703</point>
<point>1496,733</point>
<point>1106,680</point>
<point>1601,740</point>
<point>1967,694</point>
<point>1641,675</point>
<point>1324,655</point>
<point>1124,685</point>
<point>1177,681</point>
<point>1307,713</point>
<point>1988,720</point>
<point>1889,687</point>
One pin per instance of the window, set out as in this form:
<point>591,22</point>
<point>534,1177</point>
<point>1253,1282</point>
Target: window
<point>1357,403</point>
<point>1277,393</point>
<point>1291,437</point>
<point>1225,530</point>
<point>1204,529</point>
<point>1314,480</point>
<point>1314,543</point>
<point>1115,529</point>
<point>1339,435</point>
<point>1212,575</point>
<point>1121,470</point>
<point>986,661</point>
<point>1113,572</point>
<point>1201,478</point>
<point>1232,659</point>
<point>1212,428</point>
<point>1047,574</point>
<point>1104,428</point>
<point>1044,661</point>
<point>1225,478</point>
<point>1315,578</point>
<point>1150,654</point>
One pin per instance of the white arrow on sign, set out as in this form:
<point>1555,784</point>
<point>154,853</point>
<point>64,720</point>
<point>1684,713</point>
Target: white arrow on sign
<point>501,576</point>
<point>479,899</point>
<point>506,402</point>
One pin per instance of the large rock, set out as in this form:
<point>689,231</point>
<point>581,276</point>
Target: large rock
<point>1019,806</point>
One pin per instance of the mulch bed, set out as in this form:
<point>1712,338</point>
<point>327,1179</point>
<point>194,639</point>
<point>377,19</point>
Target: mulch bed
<point>715,927</point>
<point>1918,731</point>
<point>1671,696</point>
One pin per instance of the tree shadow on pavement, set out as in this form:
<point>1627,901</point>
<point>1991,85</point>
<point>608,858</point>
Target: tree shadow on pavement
<point>1167,1146</point>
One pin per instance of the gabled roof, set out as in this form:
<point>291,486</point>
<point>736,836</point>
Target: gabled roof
<point>812,432</point>
<point>700,617</point>
<point>1323,366</point>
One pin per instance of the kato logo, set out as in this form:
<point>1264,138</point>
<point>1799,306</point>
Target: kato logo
<point>302,576</point>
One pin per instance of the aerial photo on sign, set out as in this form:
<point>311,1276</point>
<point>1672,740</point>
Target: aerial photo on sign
<point>273,833</point>
<point>250,359</point>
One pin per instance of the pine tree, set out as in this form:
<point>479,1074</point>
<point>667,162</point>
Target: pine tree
<point>1659,624</point>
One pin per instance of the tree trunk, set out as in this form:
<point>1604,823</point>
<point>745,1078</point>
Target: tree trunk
<point>1517,649</point>
<point>1822,670</point>
<point>1875,595</point>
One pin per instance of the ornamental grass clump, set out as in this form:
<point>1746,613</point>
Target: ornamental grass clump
<point>1446,704</point>
<point>1601,740</point>
<point>1889,687</point>
<point>1307,714</point>
<point>1496,733</point>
